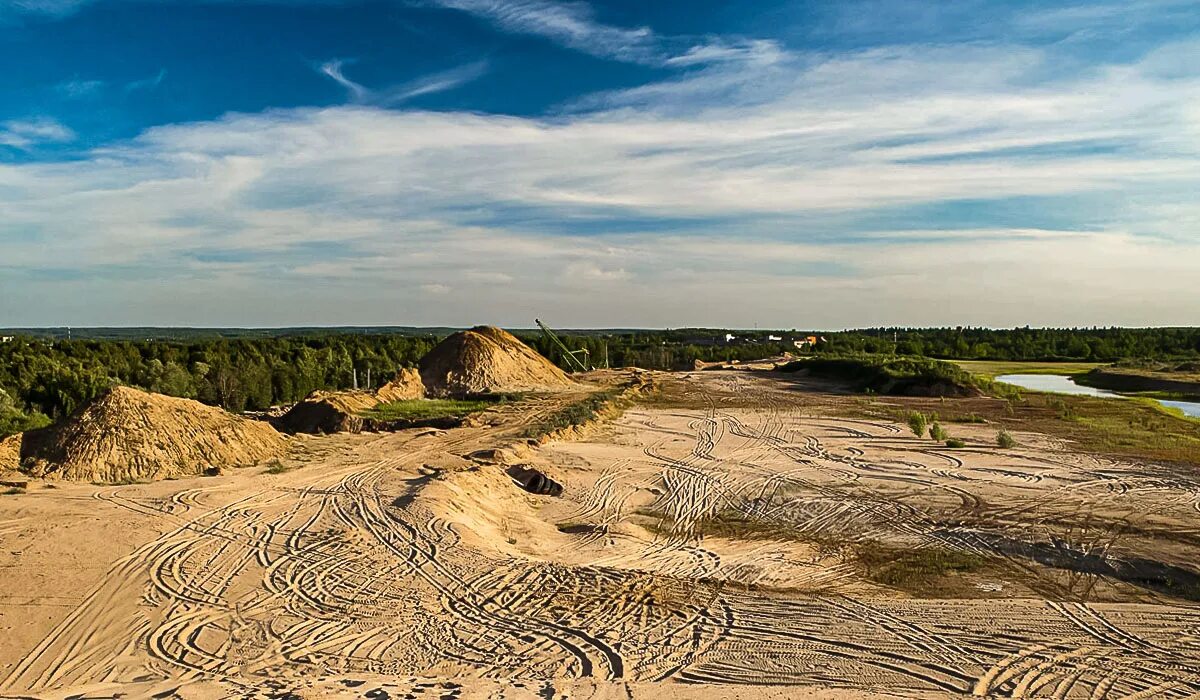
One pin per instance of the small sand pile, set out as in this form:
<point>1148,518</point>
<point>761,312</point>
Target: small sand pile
<point>328,412</point>
<point>338,411</point>
<point>405,386</point>
<point>487,359</point>
<point>130,435</point>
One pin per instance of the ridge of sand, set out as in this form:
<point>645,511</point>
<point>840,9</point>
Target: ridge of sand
<point>487,359</point>
<point>131,435</point>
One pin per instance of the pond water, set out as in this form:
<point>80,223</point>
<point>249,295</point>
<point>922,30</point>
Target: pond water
<point>1062,384</point>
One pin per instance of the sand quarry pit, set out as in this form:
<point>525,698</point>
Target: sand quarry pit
<point>738,535</point>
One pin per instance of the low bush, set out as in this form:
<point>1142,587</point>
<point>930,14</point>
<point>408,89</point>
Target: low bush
<point>955,443</point>
<point>1005,440</point>
<point>970,418</point>
<point>937,432</point>
<point>916,423</point>
<point>888,374</point>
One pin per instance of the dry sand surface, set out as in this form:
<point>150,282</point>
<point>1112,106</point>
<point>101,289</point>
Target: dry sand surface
<point>710,543</point>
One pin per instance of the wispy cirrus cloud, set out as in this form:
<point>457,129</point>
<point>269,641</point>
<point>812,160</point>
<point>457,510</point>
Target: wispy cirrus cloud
<point>76,88</point>
<point>24,134</point>
<point>440,81</point>
<point>575,26</point>
<point>572,24</point>
<point>42,7</point>
<point>147,83</point>
<point>333,69</point>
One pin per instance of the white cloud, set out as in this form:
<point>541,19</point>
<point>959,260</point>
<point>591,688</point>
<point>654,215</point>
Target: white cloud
<point>396,94</point>
<point>697,211</point>
<point>569,23</point>
<point>24,134</point>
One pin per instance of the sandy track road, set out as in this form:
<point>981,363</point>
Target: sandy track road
<point>392,561</point>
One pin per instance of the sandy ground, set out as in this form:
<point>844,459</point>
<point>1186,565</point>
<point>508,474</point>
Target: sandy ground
<point>395,566</point>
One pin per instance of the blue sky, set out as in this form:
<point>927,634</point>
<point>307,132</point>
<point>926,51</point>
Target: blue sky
<point>785,164</point>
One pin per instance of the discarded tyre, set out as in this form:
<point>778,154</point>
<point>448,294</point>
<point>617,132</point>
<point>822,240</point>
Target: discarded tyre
<point>535,482</point>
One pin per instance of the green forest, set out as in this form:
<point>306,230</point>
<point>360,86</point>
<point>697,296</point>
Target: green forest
<point>45,375</point>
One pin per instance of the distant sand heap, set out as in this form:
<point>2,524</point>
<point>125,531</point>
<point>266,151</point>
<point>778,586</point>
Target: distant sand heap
<point>405,386</point>
<point>338,411</point>
<point>131,435</point>
<point>486,359</point>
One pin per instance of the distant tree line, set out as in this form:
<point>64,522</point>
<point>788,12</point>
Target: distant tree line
<point>674,350</point>
<point>42,380</point>
<point>44,377</point>
<point>1040,344</point>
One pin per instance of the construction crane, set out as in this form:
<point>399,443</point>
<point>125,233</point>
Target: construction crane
<point>571,355</point>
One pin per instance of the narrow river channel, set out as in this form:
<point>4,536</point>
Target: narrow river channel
<point>1062,384</point>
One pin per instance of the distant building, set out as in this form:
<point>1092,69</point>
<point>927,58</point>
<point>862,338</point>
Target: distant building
<point>807,342</point>
<point>774,338</point>
<point>6,338</point>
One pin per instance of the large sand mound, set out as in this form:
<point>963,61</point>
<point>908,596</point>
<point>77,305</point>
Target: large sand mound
<point>486,359</point>
<point>131,435</point>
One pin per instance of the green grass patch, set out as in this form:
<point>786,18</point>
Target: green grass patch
<point>1134,428</point>
<point>1143,425</point>
<point>277,467</point>
<point>13,491</point>
<point>913,569</point>
<point>573,414</point>
<point>992,369</point>
<point>928,571</point>
<point>420,409</point>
